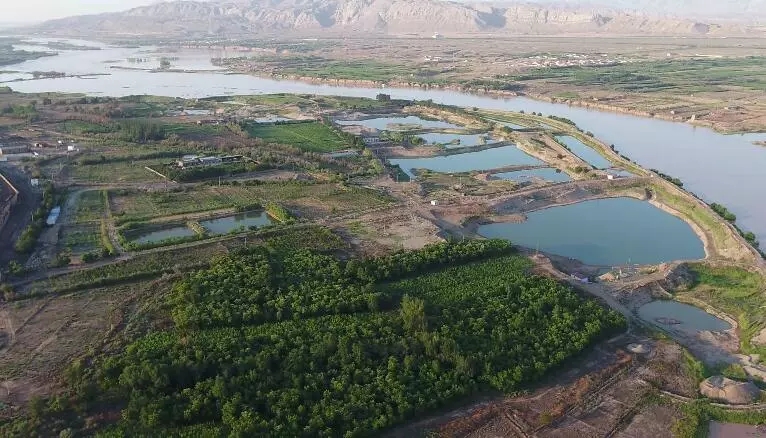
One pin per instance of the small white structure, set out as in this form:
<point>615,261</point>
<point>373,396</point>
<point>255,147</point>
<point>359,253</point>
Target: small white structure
<point>609,176</point>
<point>580,277</point>
<point>371,140</point>
<point>434,203</point>
<point>34,182</point>
<point>72,148</point>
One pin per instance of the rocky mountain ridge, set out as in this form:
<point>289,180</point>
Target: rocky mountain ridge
<point>394,17</point>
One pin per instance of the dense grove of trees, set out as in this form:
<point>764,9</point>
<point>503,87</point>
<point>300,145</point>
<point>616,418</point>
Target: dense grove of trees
<point>723,212</point>
<point>141,130</point>
<point>28,238</point>
<point>283,343</point>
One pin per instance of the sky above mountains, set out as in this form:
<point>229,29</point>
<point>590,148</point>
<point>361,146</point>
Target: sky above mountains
<point>25,11</point>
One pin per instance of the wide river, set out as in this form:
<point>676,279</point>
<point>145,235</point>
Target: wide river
<point>728,169</point>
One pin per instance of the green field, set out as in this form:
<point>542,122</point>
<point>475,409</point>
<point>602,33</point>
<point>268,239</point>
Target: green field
<point>359,69</point>
<point>80,239</point>
<point>312,136</point>
<point>688,76</point>
<point>90,206</point>
<point>309,200</point>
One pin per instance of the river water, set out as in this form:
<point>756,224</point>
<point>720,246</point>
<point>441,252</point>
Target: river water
<point>718,168</point>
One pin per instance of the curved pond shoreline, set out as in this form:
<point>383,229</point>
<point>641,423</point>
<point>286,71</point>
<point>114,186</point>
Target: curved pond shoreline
<point>624,224</point>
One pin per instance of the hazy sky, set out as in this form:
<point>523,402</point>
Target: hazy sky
<point>39,10</point>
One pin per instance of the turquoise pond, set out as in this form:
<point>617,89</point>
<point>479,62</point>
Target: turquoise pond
<point>481,160</point>
<point>604,232</point>
<point>587,153</point>
<point>456,140</point>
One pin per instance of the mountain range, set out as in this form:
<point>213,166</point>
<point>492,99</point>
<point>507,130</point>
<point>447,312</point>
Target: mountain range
<point>395,17</point>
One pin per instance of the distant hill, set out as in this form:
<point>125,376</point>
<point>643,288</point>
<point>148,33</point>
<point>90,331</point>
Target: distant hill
<point>315,17</point>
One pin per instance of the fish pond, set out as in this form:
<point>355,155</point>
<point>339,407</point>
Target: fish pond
<point>161,235</point>
<point>604,232</point>
<point>508,124</point>
<point>457,140</point>
<point>481,160</point>
<point>399,123</point>
<point>587,153</point>
<point>545,174</point>
<point>237,222</point>
<point>672,314</point>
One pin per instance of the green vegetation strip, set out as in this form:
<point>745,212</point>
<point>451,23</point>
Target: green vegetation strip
<point>308,136</point>
<point>286,343</point>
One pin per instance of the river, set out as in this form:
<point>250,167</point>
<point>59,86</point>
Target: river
<point>727,169</point>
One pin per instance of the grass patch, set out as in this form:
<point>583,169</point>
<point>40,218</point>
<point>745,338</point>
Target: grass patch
<point>131,171</point>
<point>722,235</point>
<point>310,136</point>
<point>736,292</point>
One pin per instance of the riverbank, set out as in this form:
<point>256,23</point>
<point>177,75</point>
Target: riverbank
<point>582,103</point>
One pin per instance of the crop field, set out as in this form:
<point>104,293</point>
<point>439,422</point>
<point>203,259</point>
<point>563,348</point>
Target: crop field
<point>81,239</point>
<point>307,199</point>
<point>689,76</point>
<point>90,206</point>
<point>358,69</point>
<point>116,172</point>
<point>312,136</point>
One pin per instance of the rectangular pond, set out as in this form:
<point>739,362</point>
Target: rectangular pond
<point>240,221</point>
<point>451,141</point>
<point>604,232</point>
<point>587,153</point>
<point>399,123</point>
<point>162,234</point>
<point>545,174</point>
<point>508,124</point>
<point>481,160</point>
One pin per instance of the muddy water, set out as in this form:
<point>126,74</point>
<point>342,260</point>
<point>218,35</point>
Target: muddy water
<point>604,232</point>
<point>672,314</point>
<point>719,168</point>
